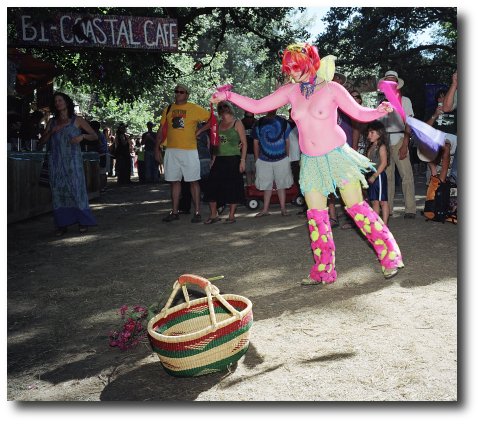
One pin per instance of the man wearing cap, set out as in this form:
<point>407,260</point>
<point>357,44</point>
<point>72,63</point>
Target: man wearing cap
<point>181,156</point>
<point>151,164</point>
<point>399,137</point>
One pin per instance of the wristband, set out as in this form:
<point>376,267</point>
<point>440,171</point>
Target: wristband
<point>225,89</point>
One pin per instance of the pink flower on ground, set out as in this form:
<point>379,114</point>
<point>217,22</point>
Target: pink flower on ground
<point>140,309</point>
<point>130,325</point>
<point>133,331</point>
<point>123,310</point>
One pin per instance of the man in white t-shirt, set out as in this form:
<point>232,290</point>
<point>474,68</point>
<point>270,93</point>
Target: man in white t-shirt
<point>399,137</point>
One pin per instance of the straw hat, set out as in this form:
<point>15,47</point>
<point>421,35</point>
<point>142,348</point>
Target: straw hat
<point>393,74</point>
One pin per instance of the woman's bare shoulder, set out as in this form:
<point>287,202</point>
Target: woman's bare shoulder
<point>239,124</point>
<point>79,121</point>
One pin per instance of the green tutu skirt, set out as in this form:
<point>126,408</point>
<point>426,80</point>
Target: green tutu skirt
<point>333,171</point>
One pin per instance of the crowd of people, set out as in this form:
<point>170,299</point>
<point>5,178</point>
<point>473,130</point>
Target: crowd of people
<point>331,147</point>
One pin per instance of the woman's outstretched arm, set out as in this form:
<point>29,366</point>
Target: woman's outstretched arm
<point>273,101</point>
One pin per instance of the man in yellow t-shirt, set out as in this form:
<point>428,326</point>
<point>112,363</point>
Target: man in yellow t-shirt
<point>181,156</point>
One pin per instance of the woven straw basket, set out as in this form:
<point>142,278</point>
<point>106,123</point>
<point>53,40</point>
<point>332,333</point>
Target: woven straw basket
<point>203,335</point>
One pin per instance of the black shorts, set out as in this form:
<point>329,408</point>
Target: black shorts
<point>379,189</point>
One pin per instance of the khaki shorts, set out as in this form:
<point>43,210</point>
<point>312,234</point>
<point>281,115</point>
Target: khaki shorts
<point>268,172</point>
<point>180,163</point>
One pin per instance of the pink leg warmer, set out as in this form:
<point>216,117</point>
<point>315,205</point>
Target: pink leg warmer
<point>323,246</point>
<point>378,234</point>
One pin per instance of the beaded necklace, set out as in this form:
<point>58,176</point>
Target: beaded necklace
<point>308,88</point>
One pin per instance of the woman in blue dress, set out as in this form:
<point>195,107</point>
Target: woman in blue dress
<point>64,133</point>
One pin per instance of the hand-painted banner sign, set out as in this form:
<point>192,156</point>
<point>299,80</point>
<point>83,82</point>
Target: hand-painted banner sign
<point>109,31</point>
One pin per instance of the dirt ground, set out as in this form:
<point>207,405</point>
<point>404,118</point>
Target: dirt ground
<point>363,338</point>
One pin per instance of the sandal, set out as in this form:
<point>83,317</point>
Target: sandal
<point>82,228</point>
<point>285,212</point>
<point>212,220</point>
<point>310,282</point>
<point>333,222</point>
<point>196,218</point>
<point>390,272</point>
<point>347,226</point>
<point>171,217</point>
<point>260,214</point>
<point>230,221</point>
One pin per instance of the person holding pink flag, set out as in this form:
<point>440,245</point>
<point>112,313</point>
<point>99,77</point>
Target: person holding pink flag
<point>327,161</point>
<point>399,138</point>
<point>431,139</point>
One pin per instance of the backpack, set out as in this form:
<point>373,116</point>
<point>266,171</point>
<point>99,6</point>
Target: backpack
<point>214,136</point>
<point>437,201</point>
<point>165,126</point>
<point>452,213</point>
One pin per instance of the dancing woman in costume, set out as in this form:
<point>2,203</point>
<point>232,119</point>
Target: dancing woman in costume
<point>327,162</point>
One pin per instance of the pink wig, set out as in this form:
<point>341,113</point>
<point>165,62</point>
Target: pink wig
<point>301,57</point>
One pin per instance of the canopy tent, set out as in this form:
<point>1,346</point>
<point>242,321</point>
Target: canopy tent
<point>27,73</point>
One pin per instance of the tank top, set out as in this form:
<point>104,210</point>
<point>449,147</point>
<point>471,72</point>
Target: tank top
<point>374,155</point>
<point>229,142</point>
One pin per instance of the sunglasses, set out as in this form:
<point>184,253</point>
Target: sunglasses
<point>356,96</point>
<point>180,92</point>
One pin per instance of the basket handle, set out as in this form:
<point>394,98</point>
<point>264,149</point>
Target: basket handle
<point>209,289</point>
<point>185,279</point>
<point>182,282</point>
<point>193,279</point>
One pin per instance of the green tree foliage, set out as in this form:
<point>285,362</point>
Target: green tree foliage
<point>369,41</point>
